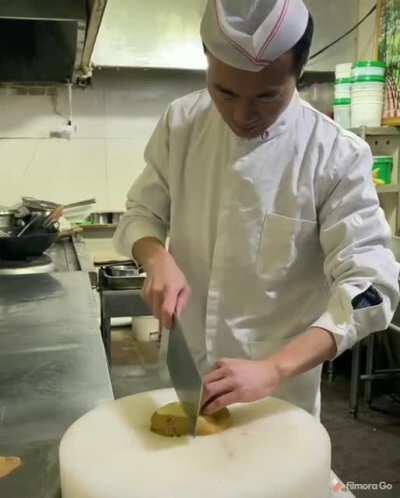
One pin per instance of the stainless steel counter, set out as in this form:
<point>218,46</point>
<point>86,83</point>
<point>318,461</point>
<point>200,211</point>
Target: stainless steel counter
<point>70,254</point>
<point>53,369</point>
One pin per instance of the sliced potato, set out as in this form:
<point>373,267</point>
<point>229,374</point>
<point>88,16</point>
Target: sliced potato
<point>171,421</point>
<point>8,465</point>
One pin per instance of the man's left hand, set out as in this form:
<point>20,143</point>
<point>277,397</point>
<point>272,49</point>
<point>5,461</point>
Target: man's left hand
<point>238,381</point>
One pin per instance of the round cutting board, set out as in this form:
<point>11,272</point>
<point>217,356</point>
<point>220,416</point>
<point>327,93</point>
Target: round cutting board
<point>273,449</point>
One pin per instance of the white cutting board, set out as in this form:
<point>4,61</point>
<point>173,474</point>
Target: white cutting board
<point>273,449</point>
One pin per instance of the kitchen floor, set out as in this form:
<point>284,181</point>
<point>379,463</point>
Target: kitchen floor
<point>366,450</point>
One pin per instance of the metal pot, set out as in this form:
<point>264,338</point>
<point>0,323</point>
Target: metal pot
<point>100,218</point>
<point>116,217</point>
<point>6,219</point>
<point>123,271</point>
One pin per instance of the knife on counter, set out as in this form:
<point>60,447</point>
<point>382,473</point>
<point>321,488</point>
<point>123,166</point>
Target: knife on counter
<point>184,374</point>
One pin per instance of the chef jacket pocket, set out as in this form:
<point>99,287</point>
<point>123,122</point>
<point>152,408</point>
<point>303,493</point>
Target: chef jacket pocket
<point>287,245</point>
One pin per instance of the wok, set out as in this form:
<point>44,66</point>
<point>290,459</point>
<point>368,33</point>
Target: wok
<point>27,246</point>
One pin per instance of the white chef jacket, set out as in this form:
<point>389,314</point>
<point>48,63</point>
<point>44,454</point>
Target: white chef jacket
<point>274,234</point>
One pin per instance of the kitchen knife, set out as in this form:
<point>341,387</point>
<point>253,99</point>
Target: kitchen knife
<point>184,373</point>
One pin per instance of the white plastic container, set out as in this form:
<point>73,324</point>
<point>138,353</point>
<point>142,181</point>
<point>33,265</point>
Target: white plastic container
<point>368,85</point>
<point>368,68</point>
<point>367,96</point>
<point>366,113</point>
<point>366,99</point>
<point>343,70</point>
<point>342,112</point>
<point>343,88</point>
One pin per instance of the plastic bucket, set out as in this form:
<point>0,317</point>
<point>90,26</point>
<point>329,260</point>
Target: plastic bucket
<point>360,89</point>
<point>343,88</point>
<point>342,95</point>
<point>367,100</point>
<point>344,81</point>
<point>368,91</point>
<point>368,113</point>
<point>368,83</point>
<point>343,70</point>
<point>368,68</point>
<point>342,112</point>
<point>382,168</point>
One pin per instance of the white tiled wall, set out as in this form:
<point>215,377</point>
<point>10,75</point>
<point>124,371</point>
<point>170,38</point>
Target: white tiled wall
<point>114,117</point>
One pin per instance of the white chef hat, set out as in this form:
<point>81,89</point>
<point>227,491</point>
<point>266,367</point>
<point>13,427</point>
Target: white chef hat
<point>250,34</point>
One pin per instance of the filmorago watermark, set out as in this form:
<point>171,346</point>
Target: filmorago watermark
<point>365,486</point>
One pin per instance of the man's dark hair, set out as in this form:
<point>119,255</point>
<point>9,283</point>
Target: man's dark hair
<point>301,51</point>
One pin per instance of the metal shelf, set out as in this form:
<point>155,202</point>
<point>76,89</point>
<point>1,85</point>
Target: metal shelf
<point>388,189</point>
<point>380,131</point>
<point>99,226</point>
<point>385,141</point>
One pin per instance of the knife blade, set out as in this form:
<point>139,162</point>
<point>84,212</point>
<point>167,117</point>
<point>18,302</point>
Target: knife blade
<point>184,374</point>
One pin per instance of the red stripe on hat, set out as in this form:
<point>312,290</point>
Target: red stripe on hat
<point>255,60</point>
<point>276,28</point>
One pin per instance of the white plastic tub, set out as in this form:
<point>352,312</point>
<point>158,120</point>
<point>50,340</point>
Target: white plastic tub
<point>342,112</point>
<point>368,68</point>
<point>343,88</point>
<point>368,85</point>
<point>342,93</point>
<point>367,99</point>
<point>343,70</point>
<point>368,113</point>
<point>360,89</point>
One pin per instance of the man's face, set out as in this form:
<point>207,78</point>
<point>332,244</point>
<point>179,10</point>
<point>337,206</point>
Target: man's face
<point>250,102</point>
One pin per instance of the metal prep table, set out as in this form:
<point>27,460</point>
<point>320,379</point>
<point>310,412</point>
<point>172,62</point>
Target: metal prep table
<point>116,304</point>
<point>53,369</point>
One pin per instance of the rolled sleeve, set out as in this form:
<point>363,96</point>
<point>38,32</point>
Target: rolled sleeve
<point>355,238</point>
<point>148,203</point>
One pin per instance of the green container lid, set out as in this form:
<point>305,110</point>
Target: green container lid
<point>342,102</point>
<point>383,160</point>
<point>369,64</point>
<point>344,81</point>
<point>383,167</point>
<point>368,79</point>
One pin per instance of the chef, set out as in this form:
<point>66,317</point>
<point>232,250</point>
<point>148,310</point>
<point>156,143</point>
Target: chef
<point>279,254</point>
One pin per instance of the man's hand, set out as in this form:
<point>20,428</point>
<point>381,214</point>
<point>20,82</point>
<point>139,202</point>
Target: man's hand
<point>238,381</point>
<point>165,291</point>
<point>234,381</point>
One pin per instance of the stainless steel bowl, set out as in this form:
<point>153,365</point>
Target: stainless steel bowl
<point>100,218</point>
<point>116,218</point>
<point>123,271</point>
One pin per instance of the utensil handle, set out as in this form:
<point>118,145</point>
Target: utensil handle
<point>87,202</point>
<point>25,228</point>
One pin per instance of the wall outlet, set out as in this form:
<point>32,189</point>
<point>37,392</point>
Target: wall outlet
<point>65,132</point>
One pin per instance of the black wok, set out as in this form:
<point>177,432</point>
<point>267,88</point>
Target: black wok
<point>27,246</point>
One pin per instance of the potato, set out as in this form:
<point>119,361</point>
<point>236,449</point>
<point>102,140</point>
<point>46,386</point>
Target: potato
<point>171,421</point>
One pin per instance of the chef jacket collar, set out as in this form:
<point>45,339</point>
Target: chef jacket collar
<point>282,124</point>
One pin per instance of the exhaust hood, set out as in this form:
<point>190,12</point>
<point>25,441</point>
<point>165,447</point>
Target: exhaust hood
<point>166,33</point>
<point>59,41</point>
<point>42,40</point>
<point>151,34</point>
